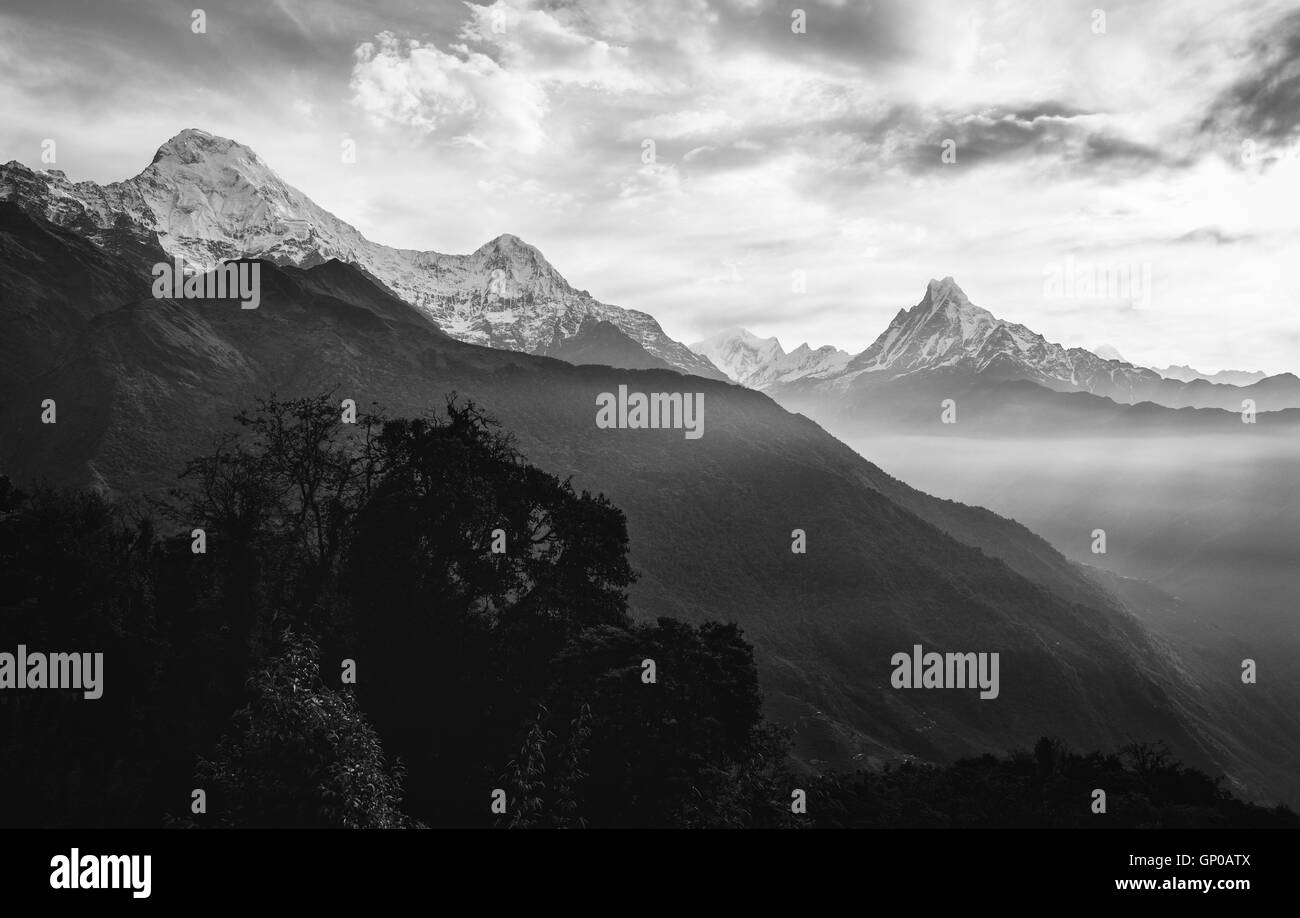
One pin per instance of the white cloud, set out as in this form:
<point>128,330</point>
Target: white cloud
<point>815,152</point>
<point>674,125</point>
<point>696,152</point>
<point>463,94</point>
<point>539,46</point>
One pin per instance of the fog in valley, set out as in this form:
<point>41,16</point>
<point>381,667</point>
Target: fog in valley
<point>1212,520</point>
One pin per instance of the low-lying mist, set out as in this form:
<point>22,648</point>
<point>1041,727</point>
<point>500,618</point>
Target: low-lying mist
<point>1213,520</point>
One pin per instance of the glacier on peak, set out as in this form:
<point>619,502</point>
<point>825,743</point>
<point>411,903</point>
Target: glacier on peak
<point>761,362</point>
<point>193,145</point>
<point>208,199</point>
<point>946,331</point>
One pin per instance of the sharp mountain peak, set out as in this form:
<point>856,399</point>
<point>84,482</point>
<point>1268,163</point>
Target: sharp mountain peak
<point>946,292</point>
<point>945,286</point>
<point>510,246</point>
<point>194,145</point>
<point>208,199</point>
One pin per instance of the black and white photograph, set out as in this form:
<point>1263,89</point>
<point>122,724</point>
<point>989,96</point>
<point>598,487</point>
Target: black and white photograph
<point>436,417</point>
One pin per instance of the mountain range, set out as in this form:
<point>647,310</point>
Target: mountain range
<point>141,384</point>
<point>1008,379</point>
<point>947,337</point>
<point>761,362</point>
<point>207,199</point>
<point>1184,373</point>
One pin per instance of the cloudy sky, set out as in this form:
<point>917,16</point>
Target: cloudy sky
<point>1144,139</point>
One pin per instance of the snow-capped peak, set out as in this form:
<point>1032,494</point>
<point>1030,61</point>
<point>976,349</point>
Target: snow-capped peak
<point>513,265</point>
<point>946,331</point>
<point>738,352</point>
<point>943,328</point>
<point>193,145</point>
<point>208,198</point>
<point>759,362</point>
<point>945,297</point>
<point>507,245</point>
<point>940,292</point>
<point>741,334</point>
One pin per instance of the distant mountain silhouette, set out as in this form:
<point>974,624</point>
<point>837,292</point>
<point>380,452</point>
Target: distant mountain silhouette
<point>1185,373</point>
<point>1009,380</point>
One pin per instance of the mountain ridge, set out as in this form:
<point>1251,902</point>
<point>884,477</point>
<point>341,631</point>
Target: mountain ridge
<point>144,385</point>
<point>601,342</point>
<point>208,199</point>
<point>761,362</point>
<point>945,340</point>
<point>1186,373</point>
<point>945,331</point>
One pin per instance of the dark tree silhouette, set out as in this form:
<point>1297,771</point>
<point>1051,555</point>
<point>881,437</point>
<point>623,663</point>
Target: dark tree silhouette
<point>485,603</point>
<point>458,637</point>
<point>302,755</point>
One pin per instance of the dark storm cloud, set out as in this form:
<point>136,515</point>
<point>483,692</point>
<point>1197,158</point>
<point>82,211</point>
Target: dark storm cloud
<point>1264,104</point>
<point>1110,149</point>
<point>252,44</point>
<point>1048,135</point>
<point>1050,138</point>
<point>993,137</point>
<point>905,139</point>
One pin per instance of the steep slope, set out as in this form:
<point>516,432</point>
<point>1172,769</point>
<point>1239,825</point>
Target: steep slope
<point>54,281</point>
<point>1211,648</point>
<point>207,199</point>
<point>149,384</point>
<point>601,342</point>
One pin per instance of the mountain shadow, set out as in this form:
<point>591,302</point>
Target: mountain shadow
<point>142,386</point>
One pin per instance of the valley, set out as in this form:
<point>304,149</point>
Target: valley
<point>144,384</point>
